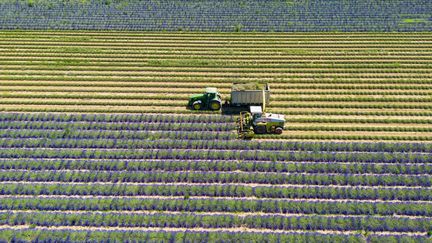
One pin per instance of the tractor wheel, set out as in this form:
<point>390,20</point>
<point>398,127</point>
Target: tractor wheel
<point>260,129</point>
<point>278,130</point>
<point>215,105</point>
<point>197,105</point>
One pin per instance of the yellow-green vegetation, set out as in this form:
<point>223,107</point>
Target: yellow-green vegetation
<point>333,86</point>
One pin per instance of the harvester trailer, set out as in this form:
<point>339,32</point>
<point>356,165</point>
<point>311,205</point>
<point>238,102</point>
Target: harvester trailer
<point>255,96</point>
<point>250,94</point>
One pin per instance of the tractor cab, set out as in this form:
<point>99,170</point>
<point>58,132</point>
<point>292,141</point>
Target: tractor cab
<point>210,94</point>
<point>211,99</point>
<point>256,112</point>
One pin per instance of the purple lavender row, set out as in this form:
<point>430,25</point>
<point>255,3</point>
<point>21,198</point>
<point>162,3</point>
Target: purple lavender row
<point>142,235</point>
<point>188,220</point>
<point>220,177</point>
<point>218,205</point>
<point>126,126</point>
<point>55,235</point>
<point>125,135</point>
<point>288,192</point>
<point>208,154</point>
<point>214,165</point>
<point>196,135</point>
<point>159,118</point>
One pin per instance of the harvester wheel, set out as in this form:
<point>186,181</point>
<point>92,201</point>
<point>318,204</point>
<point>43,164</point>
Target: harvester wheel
<point>197,105</point>
<point>278,130</point>
<point>215,105</point>
<point>260,129</point>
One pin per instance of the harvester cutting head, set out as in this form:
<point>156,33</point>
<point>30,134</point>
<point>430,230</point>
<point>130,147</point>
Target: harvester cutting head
<point>245,129</point>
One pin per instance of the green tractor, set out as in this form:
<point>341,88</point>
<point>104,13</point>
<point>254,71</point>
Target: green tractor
<point>211,99</point>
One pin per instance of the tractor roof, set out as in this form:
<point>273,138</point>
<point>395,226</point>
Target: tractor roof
<point>211,90</point>
<point>255,109</point>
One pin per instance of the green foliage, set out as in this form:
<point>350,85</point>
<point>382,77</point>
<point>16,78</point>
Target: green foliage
<point>238,27</point>
<point>414,21</point>
<point>185,63</point>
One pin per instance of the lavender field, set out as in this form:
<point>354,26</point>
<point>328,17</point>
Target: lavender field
<point>97,144</point>
<point>218,15</point>
<point>164,177</point>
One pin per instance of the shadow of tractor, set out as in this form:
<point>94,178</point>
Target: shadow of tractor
<point>227,109</point>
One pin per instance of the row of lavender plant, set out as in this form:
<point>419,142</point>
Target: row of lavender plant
<point>63,117</point>
<point>219,177</point>
<point>184,138</point>
<point>70,235</point>
<point>288,192</point>
<point>116,135</point>
<point>190,220</point>
<point>202,154</point>
<point>215,165</point>
<point>125,126</point>
<point>217,205</point>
